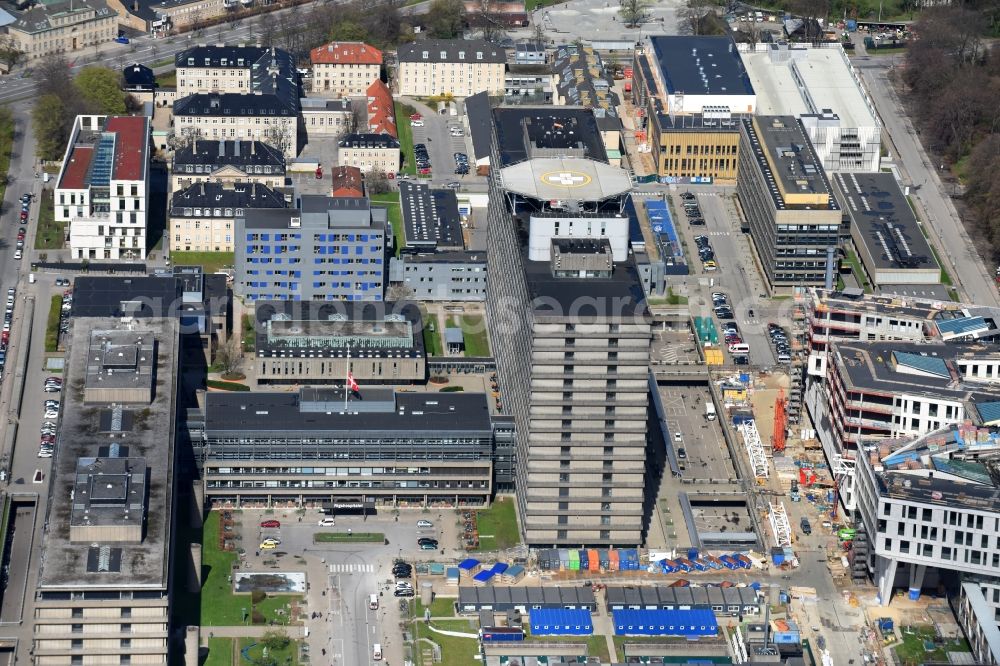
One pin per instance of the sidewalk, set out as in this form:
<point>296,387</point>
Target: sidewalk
<point>294,632</point>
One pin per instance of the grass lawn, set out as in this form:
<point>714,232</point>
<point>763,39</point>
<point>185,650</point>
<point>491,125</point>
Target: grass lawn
<point>167,79</point>
<point>911,650</point>
<point>49,234</point>
<point>432,337</point>
<point>287,655</point>
<point>220,652</point>
<point>403,113</point>
<point>6,145</point>
<point>211,262</point>
<point>52,324</point>
<point>219,606</point>
<point>498,525</point>
<point>531,5</point>
<point>249,336</point>
<point>597,645</point>
<point>454,651</point>
<point>226,386</point>
<point>440,607</point>
<point>456,625</point>
<point>859,273</point>
<point>162,63</point>
<point>476,341</point>
<point>354,537</point>
<point>945,277</point>
<point>391,201</point>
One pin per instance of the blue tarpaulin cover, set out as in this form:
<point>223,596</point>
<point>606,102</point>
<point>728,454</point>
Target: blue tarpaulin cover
<point>483,576</point>
<point>693,622</point>
<point>468,564</point>
<point>560,622</point>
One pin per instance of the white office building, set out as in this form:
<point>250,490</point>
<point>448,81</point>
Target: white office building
<point>103,187</point>
<point>931,508</point>
<point>820,87</point>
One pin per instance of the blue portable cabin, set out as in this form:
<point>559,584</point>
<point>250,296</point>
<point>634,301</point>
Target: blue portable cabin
<point>501,634</point>
<point>632,557</point>
<point>468,566</point>
<point>683,565</point>
<point>484,576</point>
<point>560,622</point>
<point>728,562</point>
<point>692,554</point>
<point>699,565</point>
<point>690,623</point>
<point>499,568</point>
<point>584,560</point>
<point>667,566</point>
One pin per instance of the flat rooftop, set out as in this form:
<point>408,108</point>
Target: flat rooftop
<point>121,359</point>
<point>697,65</point>
<point>375,412</point>
<point>617,296</point>
<point>565,179</point>
<point>800,80</point>
<point>330,329</point>
<point>789,163</point>
<point>954,466</point>
<point>430,216</point>
<point>926,368</point>
<point>523,132</point>
<point>881,216</point>
<point>98,430</point>
<point>110,492</point>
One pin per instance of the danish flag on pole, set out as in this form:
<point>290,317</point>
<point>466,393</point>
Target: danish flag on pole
<point>351,384</point>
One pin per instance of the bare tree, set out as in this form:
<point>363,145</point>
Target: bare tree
<point>229,356</point>
<point>184,137</point>
<point>750,32</point>
<point>376,182</point>
<point>358,120</point>
<point>490,21</point>
<point>279,135</point>
<point>633,12</point>
<point>10,52</point>
<point>398,291</point>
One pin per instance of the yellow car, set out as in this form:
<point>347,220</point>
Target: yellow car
<point>268,545</point>
<point>710,265</point>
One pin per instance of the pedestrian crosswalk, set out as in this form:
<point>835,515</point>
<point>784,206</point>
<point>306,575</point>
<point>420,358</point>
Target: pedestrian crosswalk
<point>352,568</point>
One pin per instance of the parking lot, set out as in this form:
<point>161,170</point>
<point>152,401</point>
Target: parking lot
<point>443,136</point>
<point>701,451</point>
<point>735,274</point>
<point>673,347</point>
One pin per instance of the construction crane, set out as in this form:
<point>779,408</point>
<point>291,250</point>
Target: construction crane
<point>780,420</point>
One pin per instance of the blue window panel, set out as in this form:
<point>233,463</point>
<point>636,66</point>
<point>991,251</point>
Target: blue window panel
<point>359,250</point>
<point>265,236</point>
<point>377,261</point>
<point>317,261</point>
<point>363,238</point>
<point>296,297</point>
<point>350,238</point>
<point>269,273</point>
<point>317,285</point>
<point>277,260</point>
<point>297,274</point>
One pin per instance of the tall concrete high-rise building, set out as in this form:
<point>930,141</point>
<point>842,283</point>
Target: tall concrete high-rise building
<point>569,326</point>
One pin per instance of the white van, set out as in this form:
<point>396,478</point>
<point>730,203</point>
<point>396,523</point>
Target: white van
<point>377,652</point>
<point>741,348</point>
<point>373,601</point>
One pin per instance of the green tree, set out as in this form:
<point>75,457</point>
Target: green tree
<point>50,121</point>
<point>275,640</point>
<point>348,31</point>
<point>100,90</point>
<point>445,18</point>
<point>634,12</point>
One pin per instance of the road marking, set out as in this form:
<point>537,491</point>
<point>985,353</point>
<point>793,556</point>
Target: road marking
<point>352,568</point>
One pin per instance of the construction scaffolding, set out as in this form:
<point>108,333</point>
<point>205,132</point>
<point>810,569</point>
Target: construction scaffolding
<point>755,450</point>
<point>779,525</point>
<point>780,423</point>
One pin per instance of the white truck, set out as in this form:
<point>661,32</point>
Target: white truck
<point>709,411</point>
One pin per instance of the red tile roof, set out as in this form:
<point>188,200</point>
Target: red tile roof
<point>381,114</point>
<point>131,146</point>
<point>76,171</point>
<point>347,182</point>
<point>346,53</point>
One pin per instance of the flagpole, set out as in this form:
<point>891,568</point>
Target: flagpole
<point>347,375</point>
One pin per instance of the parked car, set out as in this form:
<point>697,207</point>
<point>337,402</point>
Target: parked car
<point>270,523</point>
<point>423,524</point>
<point>327,522</point>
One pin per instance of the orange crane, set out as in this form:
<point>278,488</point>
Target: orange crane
<point>778,438</point>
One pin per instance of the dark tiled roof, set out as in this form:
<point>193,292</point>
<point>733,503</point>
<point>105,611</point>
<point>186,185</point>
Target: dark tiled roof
<point>369,141</point>
<point>219,195</point>
<point>138,78</point>
<point>452,50</point>
<point>274,85</point>
<point>217,154</point>
<point>477,108</point>
<point>39,17</point>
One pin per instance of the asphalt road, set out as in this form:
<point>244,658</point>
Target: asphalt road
<point>737,275</point>
<point>965,265</point>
